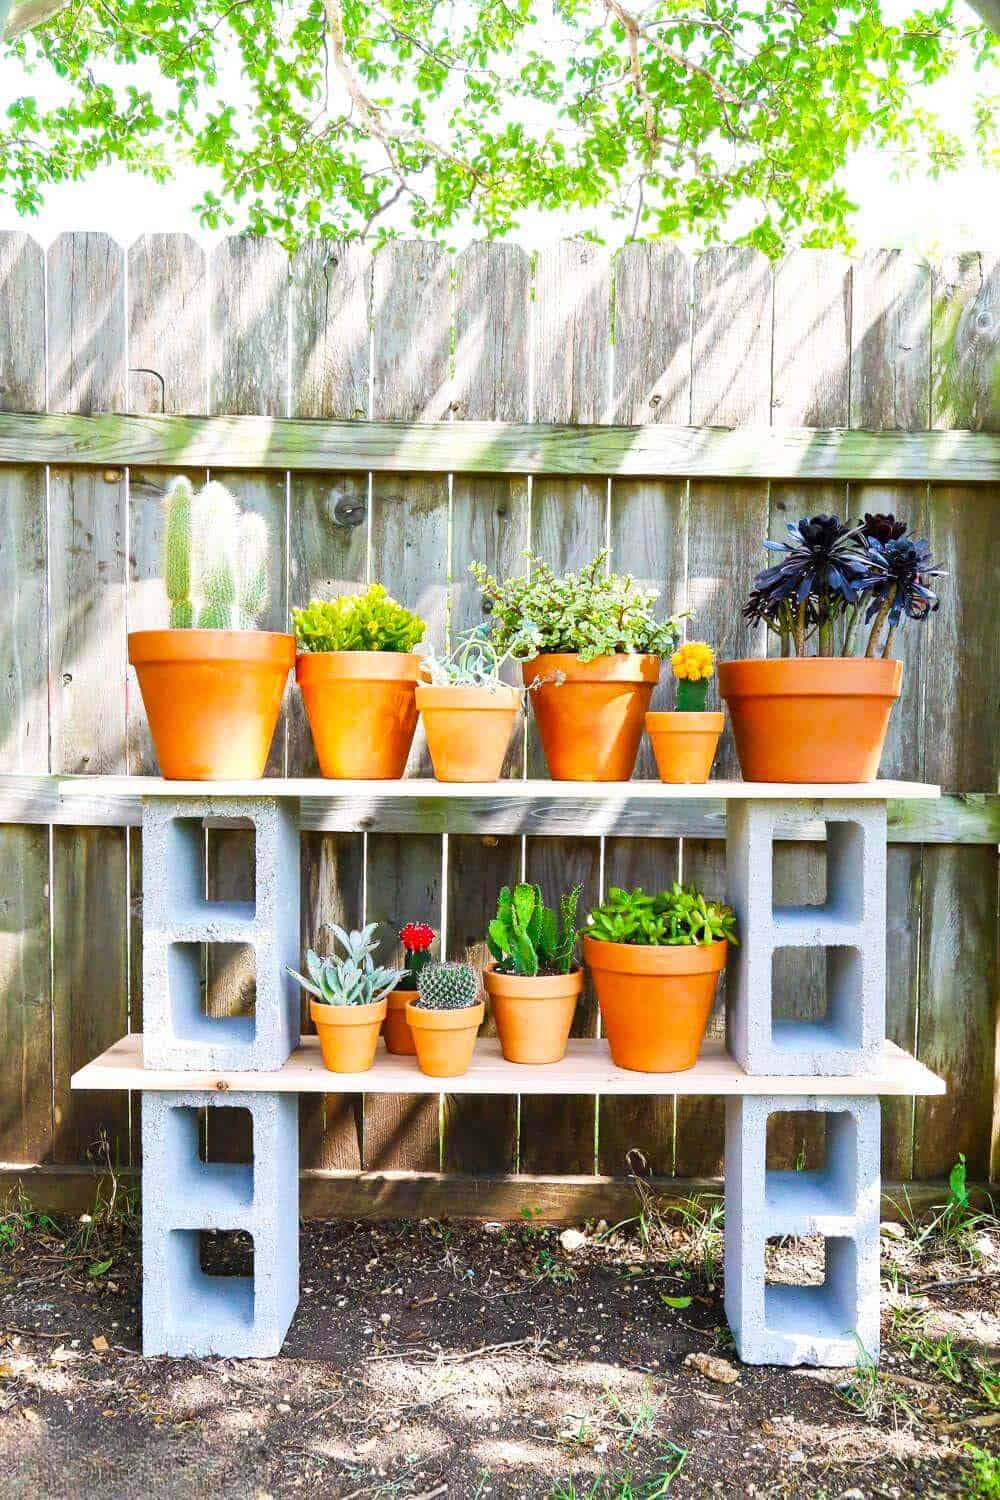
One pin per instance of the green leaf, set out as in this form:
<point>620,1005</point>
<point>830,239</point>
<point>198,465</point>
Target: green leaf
<point>100,1267</point>
<point>678,1302</point>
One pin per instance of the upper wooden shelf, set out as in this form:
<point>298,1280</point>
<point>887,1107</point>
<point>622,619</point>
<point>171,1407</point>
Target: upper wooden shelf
<point>586,1069</point>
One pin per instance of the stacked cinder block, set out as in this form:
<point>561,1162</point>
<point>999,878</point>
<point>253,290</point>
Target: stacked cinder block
<point>831,1323</point>
<point>186,1311</point>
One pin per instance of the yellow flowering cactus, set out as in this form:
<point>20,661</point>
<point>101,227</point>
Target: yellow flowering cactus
<point>693,664</point>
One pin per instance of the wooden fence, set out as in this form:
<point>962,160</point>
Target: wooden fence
<point>571,337</point>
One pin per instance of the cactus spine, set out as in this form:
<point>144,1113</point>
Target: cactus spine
<point>215,560</point>
<point>448,987</point>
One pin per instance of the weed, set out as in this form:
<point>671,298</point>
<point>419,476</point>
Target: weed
<point>956,1224</point>
<point>984,1476</point>
<point>548,1267</point>
<point>987,1378</point>
<point>940,1354</point>
<point>688,1231</point>
<point>668,1465</point>
<point>868,1393</point>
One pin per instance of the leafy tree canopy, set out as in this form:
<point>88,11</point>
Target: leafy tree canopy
<point>345,117</point>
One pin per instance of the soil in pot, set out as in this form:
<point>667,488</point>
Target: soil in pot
<point>348,1034</point>
<point>810,719</point>
<point>684,744</point>
<point>362,711</point>
<point>468,729</point>
<point>655,1002</point>
<point>445,1039</point>
<point>212,698</point>
<point>590,714</point>
<point>396,1028</point>
<point>534,1014</point>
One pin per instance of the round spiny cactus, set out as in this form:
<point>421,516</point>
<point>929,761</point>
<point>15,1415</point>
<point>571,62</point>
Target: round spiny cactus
<point>448,987</point>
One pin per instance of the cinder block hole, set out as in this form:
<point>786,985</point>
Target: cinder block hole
<point>225,1134</point>
<point>810,1287</point>
<point>213,1151</point>
<point>829,885</point>
<point>212,991</point>
<point>811,1163</point>
<point>209,1281</point>
<point>816,1000</point>
<point>199,879</point>
<point>225,1252</point>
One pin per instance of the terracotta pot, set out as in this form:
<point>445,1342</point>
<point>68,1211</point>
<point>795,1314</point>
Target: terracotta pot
<point>348,1034</point>
<point>468,729</point>
<point>684,744</point>
<point>655,1002</point>
<point>396,1028</point>
<point>591,723</point>
<point>533,1015</point>
<point>212,698</point>
<point>362,711</point>
<point>810,719</point>
<point>445,1038</point>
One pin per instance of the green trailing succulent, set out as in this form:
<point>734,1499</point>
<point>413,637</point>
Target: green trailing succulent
<point>214,559</point>
<point>590,613</point>
<point>527,937</point>
<point>473,662</point>
<point>372,621</point>
<point>447,987</point>
<point>680,916</point>
<point>350,978</point>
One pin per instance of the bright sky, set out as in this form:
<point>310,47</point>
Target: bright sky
<point>960,211</point>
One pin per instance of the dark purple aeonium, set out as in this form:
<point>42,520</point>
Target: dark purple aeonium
<point>820,573</point>
<point>897,585</point>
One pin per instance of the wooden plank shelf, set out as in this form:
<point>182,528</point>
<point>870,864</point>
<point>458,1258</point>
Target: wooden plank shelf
<point>586,1069</point>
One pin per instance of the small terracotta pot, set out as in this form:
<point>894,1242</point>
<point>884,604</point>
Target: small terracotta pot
<point>348,1034</point>
<point>212,698</point>
<point>362,710</point>
<point>445,1039</point>
<point>591,722</point>
<point>810,719</point>
<point>468,729</point>
<point>655,1002</point>
<point>684,744</point>
<point>533,1014</point>
<point>395,1028</point>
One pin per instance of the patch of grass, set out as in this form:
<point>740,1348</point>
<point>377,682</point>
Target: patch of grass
<point>955,1225</point>
<point>548,1267</point>
<point>867,1392</point>
<point>983,1476</point>
<point>668,1466</point>
<point>686,1231</point>
<point>94,1238</point>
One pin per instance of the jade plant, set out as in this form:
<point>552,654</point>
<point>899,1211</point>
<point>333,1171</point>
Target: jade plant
<point>677,917</point>
<point>417,939</point>
<point>527,937</point>
<point>372,621</point>
<point>590,613</point>
<point>447,987</point>
<point>836,577</point>
<point>350,978</point>
<point>215,559</point>
<point>693,665</point>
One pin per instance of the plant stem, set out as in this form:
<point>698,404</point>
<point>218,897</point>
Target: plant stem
<point>786,642</point>
<point>800,629</point>
<point>826,637</point>
<point>880,620</point>
<point>887,648</point>
<point>852,625</point>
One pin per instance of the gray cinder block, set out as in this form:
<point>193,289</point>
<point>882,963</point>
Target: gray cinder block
<point>184,1310</point>
<point>177,919</point>
<point>837,1323</point>
<point>850,926</point>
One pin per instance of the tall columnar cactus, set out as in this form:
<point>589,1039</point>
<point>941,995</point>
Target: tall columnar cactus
<point>448,987</point>
<point>215,566</point>
<point>177,547</point>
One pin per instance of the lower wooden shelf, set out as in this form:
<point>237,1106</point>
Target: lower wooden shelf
<point>586,1069</point>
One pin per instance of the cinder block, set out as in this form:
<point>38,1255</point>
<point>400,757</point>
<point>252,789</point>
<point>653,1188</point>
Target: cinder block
<point>178,919</point>
<point>828,1325</point>
<point>184,1310</point>
<point>850,925</point>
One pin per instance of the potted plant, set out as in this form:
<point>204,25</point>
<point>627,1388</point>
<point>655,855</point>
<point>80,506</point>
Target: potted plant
<point>469,712</point>
<point>212,684</point>
<point>591,649</point>
<point>656,962</point>
<point>533,982</point>
<point>445,1018</point>
<point>685,741</point>
<point>416,938</point>
<point>846,587</point>
<point>358,673</point>
<point>349,999</point>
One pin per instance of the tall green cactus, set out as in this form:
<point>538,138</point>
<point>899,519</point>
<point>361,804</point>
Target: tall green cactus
<point>215,559</point>
<point>526,937</point>
<point>177,549</point>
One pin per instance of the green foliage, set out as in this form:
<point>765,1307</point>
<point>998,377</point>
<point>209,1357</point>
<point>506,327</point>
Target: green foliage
<point>350,978</point>
<point>319,117</point>
<point>527,937</point>
<point>448,987</point>
<point>691,696</point>
<point>214,559</point>
<point>372,621</point>
<point>984,1475</point>
<point>474,662</point>
<point>678,916</point>
<point>592,612</point>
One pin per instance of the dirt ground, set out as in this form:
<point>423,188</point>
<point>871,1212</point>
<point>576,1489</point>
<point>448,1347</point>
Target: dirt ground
<point>441,1360</point>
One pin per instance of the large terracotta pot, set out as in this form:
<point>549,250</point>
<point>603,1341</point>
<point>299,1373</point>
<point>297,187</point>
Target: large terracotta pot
<point>533,1014</point>
<point>396,1028</point>
<point>655,1002</point>
<point>468,729</point>
<point>591,722</point>
<point>810,719</point>
<point>445,1039</point>
<point>362,710</point>
<point>212,698</point>
<point>348,1034</point>
<point>684,744</point>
